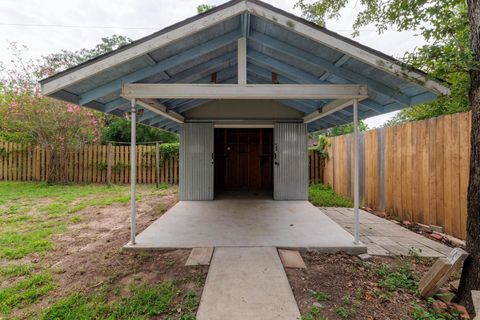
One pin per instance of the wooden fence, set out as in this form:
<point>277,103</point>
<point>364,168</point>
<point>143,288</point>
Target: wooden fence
<point>90,164</point>
<point>417,171</point>
<point>102,164</point>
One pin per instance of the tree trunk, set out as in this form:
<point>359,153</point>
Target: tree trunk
<point>470,279</point>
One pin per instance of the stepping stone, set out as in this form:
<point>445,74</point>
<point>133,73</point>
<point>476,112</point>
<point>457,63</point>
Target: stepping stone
<point>247,283</point>
<point>291,259</point>
<point>199,257</point>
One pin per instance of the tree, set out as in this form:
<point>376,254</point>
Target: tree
<point>56,62</point>
<point>29,117</point>
<point>447,54</point>
<point>346,129</point>
<point>451,29</point>
<point>119,130</point>
<point>204,7</point>
<point>470,279</point>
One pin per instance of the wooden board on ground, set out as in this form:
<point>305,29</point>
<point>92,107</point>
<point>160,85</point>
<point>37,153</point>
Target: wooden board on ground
<point>199,257</point>
<point>441,271</point>
<point>291,259</point>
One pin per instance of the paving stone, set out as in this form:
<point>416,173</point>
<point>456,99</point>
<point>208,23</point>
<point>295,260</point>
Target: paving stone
<point>365,256</point>
<point>199,257</point>
<point>291,259</point>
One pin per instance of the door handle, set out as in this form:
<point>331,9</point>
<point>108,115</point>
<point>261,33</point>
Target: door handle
<point>213,159</point>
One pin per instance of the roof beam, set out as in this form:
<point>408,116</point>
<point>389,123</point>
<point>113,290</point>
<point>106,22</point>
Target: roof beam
<point>161,109</point>
<point>159,67</point>
<point>327,109</point>
<point>133,51</point>
<point>250,91</point>
<point>311,59</point>
<point>242,60</point>
<point>339,43</point>
<point>298,76</point>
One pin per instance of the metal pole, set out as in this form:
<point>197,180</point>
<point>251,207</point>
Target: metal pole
<point>356,180</point>
<point>133,172</point>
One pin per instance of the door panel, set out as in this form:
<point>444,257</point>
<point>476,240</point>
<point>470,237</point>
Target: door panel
<point>290,161</point>
<point>196,161</point>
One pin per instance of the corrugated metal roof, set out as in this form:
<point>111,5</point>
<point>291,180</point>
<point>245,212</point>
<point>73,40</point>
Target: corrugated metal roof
<point>271,47</point>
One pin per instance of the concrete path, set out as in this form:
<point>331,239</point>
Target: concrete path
<point>247,283</point>
<point>384,237</point>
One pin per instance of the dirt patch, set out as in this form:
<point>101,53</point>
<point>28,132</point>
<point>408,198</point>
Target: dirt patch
<point>340,284</point>
<point>88,256</point>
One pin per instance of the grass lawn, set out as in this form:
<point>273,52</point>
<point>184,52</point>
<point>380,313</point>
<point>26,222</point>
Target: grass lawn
<point>45,257</point>
<point>323,196</point>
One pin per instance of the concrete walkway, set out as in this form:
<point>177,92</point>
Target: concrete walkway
<point>384,237</point>
<point>247,283</point>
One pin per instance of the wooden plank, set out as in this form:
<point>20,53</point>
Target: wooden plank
<point>109,163</point>
<point>29,162</point>
<point>248,91</point>
<point>448,178</point>
<point>439,171</point>
<point>441,271</point>
<point>464,169</point>
<point>455,181</point>
<point>432,127</point>
<point>425,187</point>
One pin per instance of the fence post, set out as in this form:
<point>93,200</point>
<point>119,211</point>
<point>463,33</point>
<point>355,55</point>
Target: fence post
<point>157,163</point>
<point>109,163</point>
<point>333,162</point>
<point>348,141</point>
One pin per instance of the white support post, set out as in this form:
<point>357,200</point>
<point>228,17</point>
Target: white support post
<point>242,60</point>
<point>356,226</point>
<point>133,172</point>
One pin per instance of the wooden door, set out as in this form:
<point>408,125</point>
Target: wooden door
<point>243,159</point>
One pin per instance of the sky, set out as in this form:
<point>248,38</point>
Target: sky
<point>49,26</point>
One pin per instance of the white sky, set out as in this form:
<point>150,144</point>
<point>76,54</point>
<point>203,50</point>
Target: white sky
<point>90,20</point>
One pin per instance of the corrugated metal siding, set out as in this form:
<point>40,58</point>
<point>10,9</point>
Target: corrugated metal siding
<point>196,164</point>
<point>291,161</point>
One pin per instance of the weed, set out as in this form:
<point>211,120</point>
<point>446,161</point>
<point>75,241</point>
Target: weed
<point>313,314</point>
<point>420,313</point>
<point>346,300</point>
<point>319,295</point>
<point>359,293</point>
<point>397,278</point>
<point>324,196</point>
<point>344,312</point>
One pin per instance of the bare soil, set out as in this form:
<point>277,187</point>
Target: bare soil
<point>89,254</point>
<point>340,276</point>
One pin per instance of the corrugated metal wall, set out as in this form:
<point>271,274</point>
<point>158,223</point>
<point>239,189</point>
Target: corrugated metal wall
<point>196,162</point>
<point>291,161</point>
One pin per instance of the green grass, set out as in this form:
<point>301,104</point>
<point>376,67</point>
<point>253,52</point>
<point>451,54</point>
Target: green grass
<point>324,196</point>
<point>143,302</point>
<point>25,291</point>
<point>16,270</point>
<point>31,213</point>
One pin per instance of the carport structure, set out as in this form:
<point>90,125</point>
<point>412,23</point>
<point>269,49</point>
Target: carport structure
<point>244,65</point>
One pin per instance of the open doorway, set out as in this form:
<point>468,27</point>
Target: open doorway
<point>244,163</point>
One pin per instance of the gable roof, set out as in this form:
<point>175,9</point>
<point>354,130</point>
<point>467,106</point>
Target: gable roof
<point>294,48</point>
